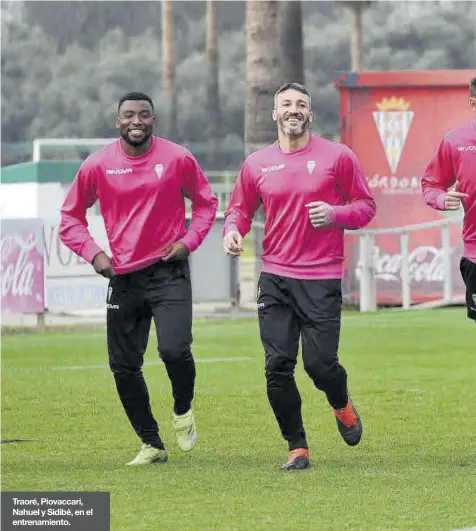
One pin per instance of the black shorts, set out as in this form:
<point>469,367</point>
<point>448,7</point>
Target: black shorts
<point>290,308</point>
<point>161,291</point>
<point>468,272</point>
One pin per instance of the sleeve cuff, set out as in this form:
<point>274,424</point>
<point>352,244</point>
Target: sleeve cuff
<point>335,216</point>
<point>331,214</point>
<point>90,250</point>
<point>440,201</point>
<point>191,240</point>
<point>229,228</point>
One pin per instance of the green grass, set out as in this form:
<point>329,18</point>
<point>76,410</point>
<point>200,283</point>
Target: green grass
<point>412,376</point>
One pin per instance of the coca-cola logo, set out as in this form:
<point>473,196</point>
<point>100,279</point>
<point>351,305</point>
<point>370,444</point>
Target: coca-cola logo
<point>425,264</point>
<point>20,264</point>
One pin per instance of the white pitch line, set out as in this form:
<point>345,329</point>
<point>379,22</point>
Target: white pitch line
<point>203,326</point>
<point>151,363</point>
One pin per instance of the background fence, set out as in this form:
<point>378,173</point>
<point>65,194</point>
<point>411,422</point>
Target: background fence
<point>39,272</point>
<point>419,267</point>
<point>441,268</point>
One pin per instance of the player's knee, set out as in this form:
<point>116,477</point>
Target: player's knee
<point>120,369</point>
<point>279,367</point>
<point>176,354</point>
<point>321,372</point>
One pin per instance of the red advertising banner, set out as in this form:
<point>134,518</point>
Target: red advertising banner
<point>22,266</point>
<point>394,122</point>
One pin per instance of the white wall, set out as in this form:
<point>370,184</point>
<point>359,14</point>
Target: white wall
<point>72,284</point>
<point>19,201</point>
<point>30,200</point>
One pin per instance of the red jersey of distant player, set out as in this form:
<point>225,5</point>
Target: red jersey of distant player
<point>394,121</point>
<point>284,183</point>
<point>142,203</point>
<point>455,160</point>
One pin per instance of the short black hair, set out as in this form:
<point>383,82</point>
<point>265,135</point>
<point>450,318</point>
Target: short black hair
<point>472,88</point>
<point>135,96</point>
<point>293,86</point>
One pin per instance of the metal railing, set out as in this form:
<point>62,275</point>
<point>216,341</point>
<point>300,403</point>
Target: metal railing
<point>368,291</point>
<point>368,270</point>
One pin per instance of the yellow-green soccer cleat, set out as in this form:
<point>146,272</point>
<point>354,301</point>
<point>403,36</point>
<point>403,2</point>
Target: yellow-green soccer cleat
<point>185,430</point>
<point>148,455</point>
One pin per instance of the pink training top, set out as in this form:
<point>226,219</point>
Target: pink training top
<point>142,203</point>
<point>455,160</point>
<point>284,183</point>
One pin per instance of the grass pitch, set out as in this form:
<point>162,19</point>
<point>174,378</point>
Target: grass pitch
<point>412,376</point>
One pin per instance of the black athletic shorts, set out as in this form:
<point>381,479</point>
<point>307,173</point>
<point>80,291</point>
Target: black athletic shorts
<point>468,272</point>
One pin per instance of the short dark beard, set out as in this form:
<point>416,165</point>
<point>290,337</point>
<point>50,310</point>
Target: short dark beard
<point>305,125</point>
<point>135,143</point>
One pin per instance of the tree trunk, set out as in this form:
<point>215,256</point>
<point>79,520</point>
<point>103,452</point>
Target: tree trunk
<point>356,41</point>
<point>168,67</point>
<point>290,36</point>
<point>213,94</point>
<point>356,51</point>
<point>263,73</point>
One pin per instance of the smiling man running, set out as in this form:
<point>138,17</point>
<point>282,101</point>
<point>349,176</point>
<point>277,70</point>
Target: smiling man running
<point>140,181</point>
<point>311,190</point>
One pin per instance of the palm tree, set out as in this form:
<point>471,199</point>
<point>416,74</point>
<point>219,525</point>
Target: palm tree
<point>263,72</point>
<point>264,76</point>
<point>168,69</point>
<point>290,34</point>
<point>356,42</point>
<point>213,95</point>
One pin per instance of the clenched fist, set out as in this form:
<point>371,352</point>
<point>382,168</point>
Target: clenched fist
<point>321,214</point>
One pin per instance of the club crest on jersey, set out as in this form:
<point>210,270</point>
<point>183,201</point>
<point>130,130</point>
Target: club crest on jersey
<point>310,166</point>
<point>158,170</point>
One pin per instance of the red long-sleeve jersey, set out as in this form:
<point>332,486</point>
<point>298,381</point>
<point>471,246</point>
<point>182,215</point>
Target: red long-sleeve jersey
<point>284,183</point>
<point>142,203</point>
<point>455,160</point>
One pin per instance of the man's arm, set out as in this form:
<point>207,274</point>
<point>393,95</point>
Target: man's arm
<point>244,202</point>
<point>439,177</point>
<point>204,203</point>
<point>360,208</point>
<point>73,230</point>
